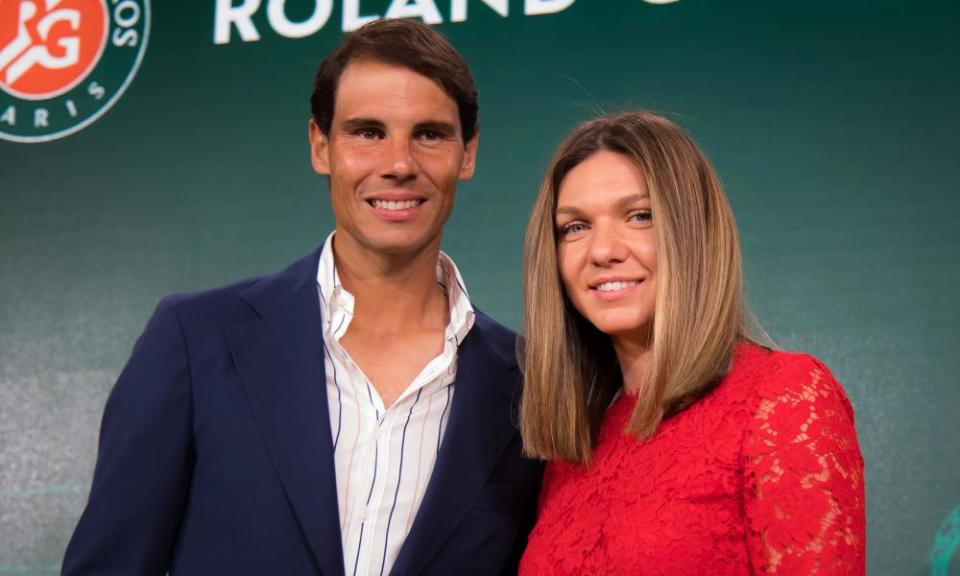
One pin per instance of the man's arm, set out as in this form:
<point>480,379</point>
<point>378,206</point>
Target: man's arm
<point>527,510</point>
<point>144,462</point>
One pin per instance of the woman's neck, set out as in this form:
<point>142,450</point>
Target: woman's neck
<point>634,359</point>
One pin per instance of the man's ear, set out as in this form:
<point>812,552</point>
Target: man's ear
<point>319,148</point>
<point>470,157</point>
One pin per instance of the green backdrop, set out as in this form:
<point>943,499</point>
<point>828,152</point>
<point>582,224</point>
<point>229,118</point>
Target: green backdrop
<point>831,122</point>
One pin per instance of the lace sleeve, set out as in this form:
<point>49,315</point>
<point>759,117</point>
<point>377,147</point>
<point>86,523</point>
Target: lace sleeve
<point>803,493</point>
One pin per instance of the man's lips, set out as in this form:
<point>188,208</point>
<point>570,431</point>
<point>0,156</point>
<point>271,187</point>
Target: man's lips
<point>395,205</point>
<point>395,200</point>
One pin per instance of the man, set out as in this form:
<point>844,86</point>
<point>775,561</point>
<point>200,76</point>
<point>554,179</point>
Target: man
<point>352,414</point>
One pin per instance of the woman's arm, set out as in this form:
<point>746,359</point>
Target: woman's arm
<point>804,492</point>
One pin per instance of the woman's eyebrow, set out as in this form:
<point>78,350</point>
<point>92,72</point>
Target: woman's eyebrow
<point>621,203</point>
<point>568,210</point>
<point>627,200</point>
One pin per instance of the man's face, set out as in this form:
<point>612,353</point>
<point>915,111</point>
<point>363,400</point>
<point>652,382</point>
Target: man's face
<point>394,155</point>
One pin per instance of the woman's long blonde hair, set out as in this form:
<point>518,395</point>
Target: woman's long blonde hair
<point>570,368</point>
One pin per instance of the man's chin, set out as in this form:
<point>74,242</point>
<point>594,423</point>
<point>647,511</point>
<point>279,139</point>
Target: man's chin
<point>405,245</point>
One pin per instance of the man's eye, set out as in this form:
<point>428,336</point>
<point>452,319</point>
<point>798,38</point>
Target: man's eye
<point>368,133</point>
<point>431,135</point>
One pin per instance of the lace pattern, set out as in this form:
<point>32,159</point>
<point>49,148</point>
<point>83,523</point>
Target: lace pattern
<point>804,494</point>
<point>762,476</point>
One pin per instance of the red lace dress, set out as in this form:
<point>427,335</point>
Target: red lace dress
<point>762,476</point>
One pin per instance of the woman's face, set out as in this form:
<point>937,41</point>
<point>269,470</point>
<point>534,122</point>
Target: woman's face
<point>606,247</point>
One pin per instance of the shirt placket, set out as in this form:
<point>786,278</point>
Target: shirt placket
<point>372,489</point>
<point>373,483</point>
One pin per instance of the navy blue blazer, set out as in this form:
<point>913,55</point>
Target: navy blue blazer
<point>216,455</point>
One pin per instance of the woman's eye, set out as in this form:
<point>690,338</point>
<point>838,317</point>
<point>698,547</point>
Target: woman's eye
<point>641,216</point>
<point>572,228</point>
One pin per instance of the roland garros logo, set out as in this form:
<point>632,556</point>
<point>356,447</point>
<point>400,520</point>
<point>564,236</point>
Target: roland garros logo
<point>64,63</point>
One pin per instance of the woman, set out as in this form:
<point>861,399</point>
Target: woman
<point>677,445</point>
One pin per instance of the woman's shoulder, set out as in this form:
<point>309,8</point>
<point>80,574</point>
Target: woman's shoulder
<point>749,355</point>
<point>780,375</point>
<point>790,390</point>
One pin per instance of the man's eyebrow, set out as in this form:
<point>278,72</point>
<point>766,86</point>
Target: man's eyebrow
<point>436,126</point>
<point>352,124</point>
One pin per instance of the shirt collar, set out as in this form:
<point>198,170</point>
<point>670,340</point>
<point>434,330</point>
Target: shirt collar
<point>335,300</point>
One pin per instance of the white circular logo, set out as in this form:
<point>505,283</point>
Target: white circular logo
<point>64,63</point>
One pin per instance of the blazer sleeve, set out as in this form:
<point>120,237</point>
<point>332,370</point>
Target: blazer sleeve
<point>527,511</point>
<point>144,460</point>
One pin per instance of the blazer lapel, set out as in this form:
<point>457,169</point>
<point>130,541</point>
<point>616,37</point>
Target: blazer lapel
<point>280,361</point>
<point>479,429</point>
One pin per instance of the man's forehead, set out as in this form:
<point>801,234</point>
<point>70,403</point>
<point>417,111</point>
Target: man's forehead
<point>371,88</point>
<point>364,66</point>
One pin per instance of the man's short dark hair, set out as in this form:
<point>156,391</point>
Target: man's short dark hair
<point>402,43</point>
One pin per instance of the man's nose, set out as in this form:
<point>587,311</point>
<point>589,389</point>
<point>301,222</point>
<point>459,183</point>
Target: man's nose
<point>399,161</point>
<point>607,245</point>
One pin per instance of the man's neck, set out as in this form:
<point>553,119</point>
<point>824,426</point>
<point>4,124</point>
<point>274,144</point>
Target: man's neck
<point>392,292</point>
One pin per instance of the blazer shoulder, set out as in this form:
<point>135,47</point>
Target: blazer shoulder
<point>242,300</point>
<point>217,305</point>
<point>498,340</point>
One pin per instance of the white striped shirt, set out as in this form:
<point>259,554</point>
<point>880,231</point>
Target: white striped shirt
<point>384,457</point>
